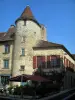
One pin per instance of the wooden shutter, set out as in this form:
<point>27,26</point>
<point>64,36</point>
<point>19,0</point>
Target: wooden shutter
<point>48,58</point>
<point>43,62</point>
<point>58,60</point>
<point>43,58</point>
<point>48,61</point>
<point>39,61</point>
<point>64,61</point>
<point>34,62</point>
<point>68,63</point>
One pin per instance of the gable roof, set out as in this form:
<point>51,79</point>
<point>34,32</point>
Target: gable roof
<point>6,36</point>
<point>27,15</point>
<point>45,45</point>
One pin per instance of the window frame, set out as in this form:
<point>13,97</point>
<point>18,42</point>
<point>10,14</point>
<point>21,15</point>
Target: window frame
<point>54,61</point>
<point>22,67</point>
<point>6,48</point>
<point>23,39</point>
<point>22,51</point>
<point>6,63</point>
<point>4,79</point>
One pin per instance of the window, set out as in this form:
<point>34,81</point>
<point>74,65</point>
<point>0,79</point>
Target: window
<point>6,63</point>
<point>41,61</point>
<point>7,48</point>
<point>23,38</point>
<point>23,51</point>
<point>53,61</point>
<point>4,79</point>
<point>22,68</point>
<point>48,62</point>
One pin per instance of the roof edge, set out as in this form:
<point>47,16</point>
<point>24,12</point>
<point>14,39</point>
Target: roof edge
<point>56,47</point>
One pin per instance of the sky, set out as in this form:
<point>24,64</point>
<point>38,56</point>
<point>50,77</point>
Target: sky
<point>58,16</point>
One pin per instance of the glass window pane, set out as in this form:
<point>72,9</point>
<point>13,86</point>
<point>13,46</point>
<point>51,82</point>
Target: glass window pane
<point>23,51</point>
<point>7,48</point>
<point>6,63</point>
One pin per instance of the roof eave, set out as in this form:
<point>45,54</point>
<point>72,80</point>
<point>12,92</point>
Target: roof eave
<point>28,19</point>
<point>55,47</point>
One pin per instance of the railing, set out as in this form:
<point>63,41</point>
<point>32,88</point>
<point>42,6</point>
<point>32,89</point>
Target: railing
<point>63,95</point>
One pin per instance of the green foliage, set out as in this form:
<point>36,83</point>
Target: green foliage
<point>10,89</point>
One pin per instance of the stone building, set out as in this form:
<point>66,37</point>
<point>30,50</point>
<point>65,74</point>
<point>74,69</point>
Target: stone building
<point>25,47</point>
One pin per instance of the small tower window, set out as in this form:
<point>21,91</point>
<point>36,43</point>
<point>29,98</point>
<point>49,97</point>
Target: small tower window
<point>22,67</point>
<point>23,51</point>
<point>23,38</point>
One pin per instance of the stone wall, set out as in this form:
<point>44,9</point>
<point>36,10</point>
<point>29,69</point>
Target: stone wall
<point>31,32</point>
<point>5,56</point>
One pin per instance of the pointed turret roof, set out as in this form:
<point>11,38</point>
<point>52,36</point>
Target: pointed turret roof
<point>27,15</point>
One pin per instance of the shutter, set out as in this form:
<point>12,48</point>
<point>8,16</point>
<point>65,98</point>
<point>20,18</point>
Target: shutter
<point>68,63</point>
<point>34,62</point>
<point>48,58</point>
<point>43,62</point>
<point>39,61</point>
<point>43,58</point>
<point>64,62</point>
<point>48,61</point>
<point>58,60</point>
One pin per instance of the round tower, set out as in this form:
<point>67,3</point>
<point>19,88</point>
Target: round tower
<point>28,31</point>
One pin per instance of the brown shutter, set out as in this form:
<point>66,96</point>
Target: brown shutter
<point>48,61</point>
<point>68,63</point>
<point>34,62</point>
<point>48,58</point>
<point>58,60</point>
<point>64,62</point>
<point>43,58</point>
<point>43,62</point>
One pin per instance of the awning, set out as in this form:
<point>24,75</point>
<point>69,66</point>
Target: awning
<point>24,78</point>
<point>20,78</point>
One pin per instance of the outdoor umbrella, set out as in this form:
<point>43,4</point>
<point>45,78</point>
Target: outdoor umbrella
<point>24,78</point>
<point>20,78</point>
<point>38,78</point>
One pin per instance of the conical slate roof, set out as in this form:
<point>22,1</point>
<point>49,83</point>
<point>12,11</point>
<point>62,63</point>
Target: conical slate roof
<point>27,15</point>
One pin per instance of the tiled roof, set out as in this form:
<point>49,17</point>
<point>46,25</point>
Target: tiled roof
<point>27,15</point>
<point>6,36</point>
<point>45,45</point>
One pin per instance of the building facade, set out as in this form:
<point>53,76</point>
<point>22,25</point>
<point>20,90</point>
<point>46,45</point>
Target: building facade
<point>25,47</point>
